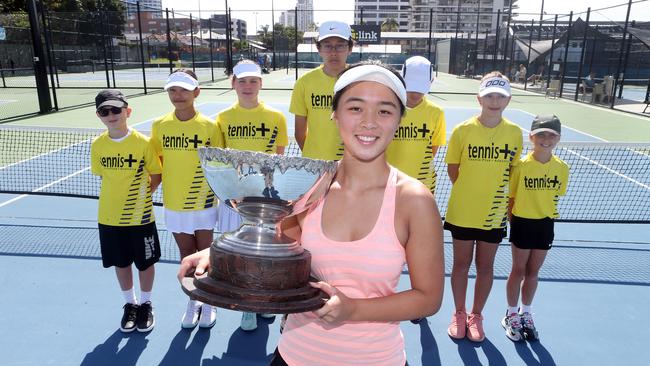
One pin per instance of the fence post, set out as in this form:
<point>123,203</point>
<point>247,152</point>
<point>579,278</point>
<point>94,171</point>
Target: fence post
<point>40,72</point>
<point>620,54</point>
<point>550,55</point>
<point>582,56</point>
<point>210,46</point>
<point>169,42</point>
<point>144,73</point>
<point>566,52</point>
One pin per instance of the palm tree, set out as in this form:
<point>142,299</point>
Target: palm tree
<point>390,25</point>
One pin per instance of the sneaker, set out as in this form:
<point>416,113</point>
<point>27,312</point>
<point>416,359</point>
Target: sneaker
<point>475,331</point>
<point>267,316</point>
<point>512,324</point>
<point>458,326</point>
<point>530,333</point>
<point>128,323</point>
<point>248,321</point>
<point>208,316</point>
<point>145,320</point>
<point>191,316</point>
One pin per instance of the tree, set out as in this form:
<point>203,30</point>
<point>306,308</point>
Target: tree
<point>390,25</point>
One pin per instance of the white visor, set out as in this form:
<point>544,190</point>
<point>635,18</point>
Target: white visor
<point>372,73</point>
<point>242,70</point>
<point>494,85</point>
<point>181,79</point>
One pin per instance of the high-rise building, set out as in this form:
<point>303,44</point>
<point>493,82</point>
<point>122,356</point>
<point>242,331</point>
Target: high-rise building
<point>145,5</point>
<point>378,11</point>
<point>448,15</point>
<point>305,15</point>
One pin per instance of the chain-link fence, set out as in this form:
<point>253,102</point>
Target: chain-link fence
<point>137,48</point>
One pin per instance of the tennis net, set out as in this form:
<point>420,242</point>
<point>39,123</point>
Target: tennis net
<point>609,182</point>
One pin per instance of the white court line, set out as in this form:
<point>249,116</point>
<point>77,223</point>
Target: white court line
<point>45,186</point>
<point>15,199</point>
<point>610,169</point>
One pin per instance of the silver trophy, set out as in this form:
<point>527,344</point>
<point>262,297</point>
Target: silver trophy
<point>257,268</point>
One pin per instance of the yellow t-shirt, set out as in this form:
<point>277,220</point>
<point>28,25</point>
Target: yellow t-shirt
<point>125,166</point>
<point>184,185</point>
<point>256,129</point>
<point>312,98</point>
<point>420,129</point>
<point>537,187</point>
<point>479,197</point>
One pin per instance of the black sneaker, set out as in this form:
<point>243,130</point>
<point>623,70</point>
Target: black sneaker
<point>145,320</point>
<point>128,323</point>
<point>416,321</point>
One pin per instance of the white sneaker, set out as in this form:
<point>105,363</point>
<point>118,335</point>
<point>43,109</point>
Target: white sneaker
<point>267,316</point>
<point>248,321</point>
<point>208,316</point>
<point>191,317</point>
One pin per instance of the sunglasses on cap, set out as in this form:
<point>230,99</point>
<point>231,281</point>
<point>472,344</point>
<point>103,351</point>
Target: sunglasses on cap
<point>104,111</point>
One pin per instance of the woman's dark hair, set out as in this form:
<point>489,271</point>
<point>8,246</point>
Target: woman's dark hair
<point>337,95</point>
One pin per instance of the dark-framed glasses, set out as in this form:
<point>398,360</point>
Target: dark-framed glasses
<point>104,111</point>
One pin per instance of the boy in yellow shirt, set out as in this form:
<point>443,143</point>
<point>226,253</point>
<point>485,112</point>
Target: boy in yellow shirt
<point>535,187</point>
<point>130,172</point>
<point>422,128</point>
<point>190,204</point>
<point>251,125</point>
<point>311,99</point>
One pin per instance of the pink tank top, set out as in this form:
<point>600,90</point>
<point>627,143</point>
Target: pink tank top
<point>365,268</point>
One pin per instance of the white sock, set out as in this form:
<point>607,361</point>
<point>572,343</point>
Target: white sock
<point>145,296</point>
<point>512,310</point>
<point>196,304</point>
<point>129,296</point>
<point>526,309</point>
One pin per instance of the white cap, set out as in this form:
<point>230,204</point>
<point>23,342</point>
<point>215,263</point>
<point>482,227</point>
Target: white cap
<point>181,79</point>
<point>244,69</point>
<point>334,29</point>
<point>494,84</point>
<point>374,73</point>
<point>417,74</point>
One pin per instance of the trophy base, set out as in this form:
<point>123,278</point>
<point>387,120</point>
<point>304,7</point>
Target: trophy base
<point>224,295</point>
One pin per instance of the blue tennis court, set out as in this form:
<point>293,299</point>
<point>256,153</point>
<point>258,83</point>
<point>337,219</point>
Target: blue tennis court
<point>61,307</point>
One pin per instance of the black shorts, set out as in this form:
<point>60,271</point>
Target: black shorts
<point>532,233</point>
<point>469,233</point>
<point>123,245</point>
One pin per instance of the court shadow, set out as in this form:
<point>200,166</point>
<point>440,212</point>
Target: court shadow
<point>430,352</point>
<point>182,353</point>
<point>467,351</point>
<point>245,348</point>
<point>536,349</point>
<point>109,353</point>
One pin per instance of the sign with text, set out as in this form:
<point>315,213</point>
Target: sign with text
<point>366,34</point>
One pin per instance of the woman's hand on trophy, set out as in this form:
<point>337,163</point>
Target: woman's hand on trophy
<point>195,264</point>
<point>337,308</point>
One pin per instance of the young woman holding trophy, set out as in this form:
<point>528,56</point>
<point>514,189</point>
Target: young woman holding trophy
<point>373,221</point>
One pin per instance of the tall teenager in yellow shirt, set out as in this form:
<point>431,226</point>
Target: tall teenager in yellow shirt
<point>190,204</point>
<point>251,125</point>
<point>535,188</point>
<point>311,99</point>
<point>480,155</point>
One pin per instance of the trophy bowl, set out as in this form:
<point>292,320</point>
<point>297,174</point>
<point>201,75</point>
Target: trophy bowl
<point>257,268</point>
